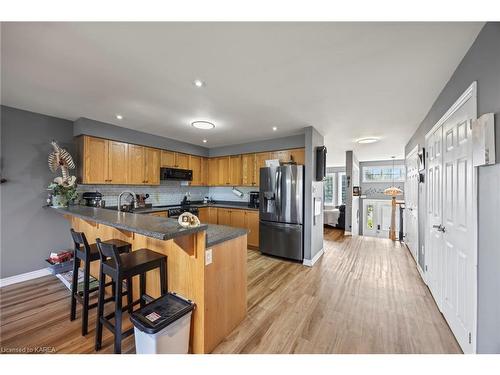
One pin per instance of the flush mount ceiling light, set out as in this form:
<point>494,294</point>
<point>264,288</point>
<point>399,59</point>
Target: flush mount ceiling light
<point>367,140</point>
<point>205,141</point>
<point>198,83</point>
<point>205,125</point>
<point>275,128</point>
<point>119,117</point>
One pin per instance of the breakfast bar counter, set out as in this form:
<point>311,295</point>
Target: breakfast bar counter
<point>206,264</point>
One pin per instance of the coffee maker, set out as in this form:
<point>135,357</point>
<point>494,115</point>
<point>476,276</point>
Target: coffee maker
<point>254,199</point>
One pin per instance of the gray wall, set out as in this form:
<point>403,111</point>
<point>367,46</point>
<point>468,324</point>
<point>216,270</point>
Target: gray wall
<point>109,131</point>
<point>28,230</point>
<point>481,64</point>
<point>313,230</point>
<point>283,143</point>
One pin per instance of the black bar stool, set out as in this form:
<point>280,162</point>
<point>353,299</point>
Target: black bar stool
<point>123,267</point>
<point>87,254</point>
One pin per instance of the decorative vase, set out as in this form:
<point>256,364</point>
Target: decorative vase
<point>59,201</point>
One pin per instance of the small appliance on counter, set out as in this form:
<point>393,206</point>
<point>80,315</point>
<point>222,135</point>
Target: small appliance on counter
<point>93,199</point>
<point>254,199</point>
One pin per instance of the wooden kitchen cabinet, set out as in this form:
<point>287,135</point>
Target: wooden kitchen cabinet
<point>117,162</point>
<point>204,172</point>
<point>195,164</point>
<point>213,213</point>
<point>203,215</point>
<point>167,159</point>
<point>181,160</point>
<point>248,170</point>
<point>213,172</point>
<point>252,224</point>
<point>159,214</point>
<point>94,155</point>
<point>143,165</point>
<point>237,218</point>
<point>172,159</point>
<point>223,216</point>
<point>135,165</point>
<point>235,170</point>
<point>151,166</point>
<point>298,155</point>
<point>224,175</point>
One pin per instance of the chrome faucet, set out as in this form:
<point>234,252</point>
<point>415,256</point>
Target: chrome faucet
<point>134,200</point>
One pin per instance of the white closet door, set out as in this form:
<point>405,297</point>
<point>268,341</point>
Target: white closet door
<point>451,244</point>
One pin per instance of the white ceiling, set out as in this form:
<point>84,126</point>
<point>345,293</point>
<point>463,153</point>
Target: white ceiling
<point>349,80</point>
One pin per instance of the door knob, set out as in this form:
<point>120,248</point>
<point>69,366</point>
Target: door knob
<point>440,228</point>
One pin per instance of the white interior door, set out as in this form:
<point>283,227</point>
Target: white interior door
<point>459,222</point>
<point>411,202</point>
<point>451,250</point>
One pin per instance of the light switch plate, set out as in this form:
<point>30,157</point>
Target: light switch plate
<point>208,257</point>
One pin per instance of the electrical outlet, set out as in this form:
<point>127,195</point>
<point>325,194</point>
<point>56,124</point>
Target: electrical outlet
<point>208,257</point>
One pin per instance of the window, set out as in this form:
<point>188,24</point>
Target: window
<point>384,173</point>
<point>334,189</point>
<point>328,189</point>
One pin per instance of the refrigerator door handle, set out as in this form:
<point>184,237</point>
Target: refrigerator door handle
<point>278,192</point>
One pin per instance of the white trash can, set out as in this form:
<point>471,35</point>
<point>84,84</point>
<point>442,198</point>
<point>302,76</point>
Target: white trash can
<point>163,326</point>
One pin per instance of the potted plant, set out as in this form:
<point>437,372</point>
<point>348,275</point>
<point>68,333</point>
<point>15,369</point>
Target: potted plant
<point>63,188</point>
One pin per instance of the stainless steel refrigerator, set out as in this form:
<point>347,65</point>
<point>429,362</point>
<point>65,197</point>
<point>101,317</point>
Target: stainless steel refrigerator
<point>281,211</point>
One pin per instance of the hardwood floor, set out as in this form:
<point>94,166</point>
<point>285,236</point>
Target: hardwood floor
<point>363,296</point>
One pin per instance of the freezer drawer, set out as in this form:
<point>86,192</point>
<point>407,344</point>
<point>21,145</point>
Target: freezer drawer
<point>282,240</point>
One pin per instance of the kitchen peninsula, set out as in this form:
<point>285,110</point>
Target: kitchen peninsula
<point>220,301</point>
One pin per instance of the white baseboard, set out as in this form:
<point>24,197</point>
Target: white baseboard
<point>24,277</point>
<point>310,262</point>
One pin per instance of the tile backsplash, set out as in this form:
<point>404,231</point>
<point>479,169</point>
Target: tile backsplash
<point>168,192</point>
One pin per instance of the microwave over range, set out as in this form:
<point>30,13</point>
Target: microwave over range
<point>176,174</point>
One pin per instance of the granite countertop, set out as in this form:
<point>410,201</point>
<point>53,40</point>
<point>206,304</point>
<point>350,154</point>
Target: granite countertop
<point>222,204</point>
<point>152,226</point>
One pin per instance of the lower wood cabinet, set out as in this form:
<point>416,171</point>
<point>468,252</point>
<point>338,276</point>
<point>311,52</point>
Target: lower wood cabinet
<point>252,224</point>
<point>239,218</point>
<point>159,214</point>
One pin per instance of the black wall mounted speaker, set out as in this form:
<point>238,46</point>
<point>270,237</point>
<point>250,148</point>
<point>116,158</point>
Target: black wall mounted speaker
<point>320,163</point>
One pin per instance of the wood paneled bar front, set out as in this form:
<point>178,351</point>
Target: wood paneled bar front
<point>219,288</point>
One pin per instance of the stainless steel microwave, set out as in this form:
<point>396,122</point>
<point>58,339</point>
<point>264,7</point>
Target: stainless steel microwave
<point>176,174</point>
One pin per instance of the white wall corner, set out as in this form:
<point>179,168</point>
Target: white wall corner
<point>24,277</point>
<point>310,262</point>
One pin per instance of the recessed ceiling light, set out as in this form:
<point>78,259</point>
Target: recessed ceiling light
<point>205,141</point>
<point>119,117</point>
<point>198,83</point>
<point>205,125</point>
<point>274,128</point>
<point>367,140</point>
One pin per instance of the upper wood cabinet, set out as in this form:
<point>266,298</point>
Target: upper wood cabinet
<point>248,170</point>
<point>151,166</point>
<point>117,162</point>
<point>213,172</point>
<point>168,159</point>
<point>181,160</point>
<point>235,170</point>
<point>298,155</point>
<point>104,161</point>
<point>143,166</point>
<point>195,164</point>
<point>135,164</point>
<point>93,153</point>
<point>172,159</point>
